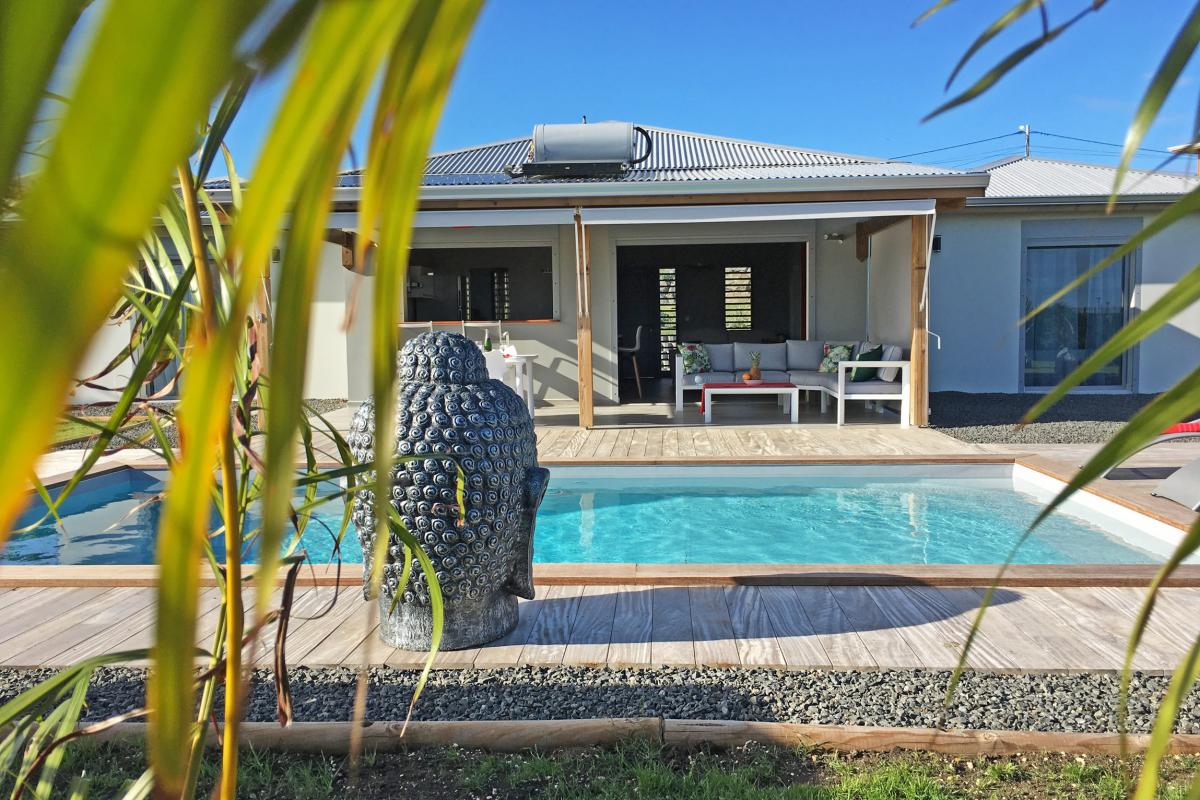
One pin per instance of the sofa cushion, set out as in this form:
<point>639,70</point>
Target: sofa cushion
<point>834,354</point>
<point>701,378</point>
<point>720,357</point>
<point>891,352</point>
<point>695,358</point>
<point>806,377</point>
<point>774,356</point>
<point>804,354</point>
<point>775,376</point>
<point>861,374</point>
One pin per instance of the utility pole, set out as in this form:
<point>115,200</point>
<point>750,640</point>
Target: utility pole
<point>1025,130</point>
<point>1189,149</point>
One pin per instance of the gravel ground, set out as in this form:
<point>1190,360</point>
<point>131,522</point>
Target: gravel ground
<point>991,418</point>
<point>320,405</point>
<point>1043,702</point>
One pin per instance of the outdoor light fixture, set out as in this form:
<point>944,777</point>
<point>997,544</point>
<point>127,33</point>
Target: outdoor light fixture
<point>840,238</point>
<point>937,243</point>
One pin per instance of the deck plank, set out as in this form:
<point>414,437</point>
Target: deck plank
<point>311,624</point>
<point>93,619</point>
<point>9,597</point>
<point>346,637</point>
<point>999,644</point>
<point>931,631</point>
<point>752,629</point>
<point>41,608</point>
<point>671,636</point>
<point>632,627</point>
<point>1154,651</point>
<point>548,639</point>
<point>795,633</point>
<point>506,652</point>
<point>837,636</point>
<point>592,632</point>
<point>712,629</point>
<point>1070,650</point>
<point>888,646</point>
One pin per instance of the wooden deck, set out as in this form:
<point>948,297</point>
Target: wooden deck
<point>747,443</point>
<point>863,627</point>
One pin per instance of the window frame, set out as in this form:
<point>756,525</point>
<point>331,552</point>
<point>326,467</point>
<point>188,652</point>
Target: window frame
<point>472,243</point>
<point>1130,279</point>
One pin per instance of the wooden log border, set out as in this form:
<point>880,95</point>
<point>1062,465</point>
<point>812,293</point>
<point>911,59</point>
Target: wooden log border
<point>510,736</point>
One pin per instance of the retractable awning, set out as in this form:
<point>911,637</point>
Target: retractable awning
<point>755,212</point>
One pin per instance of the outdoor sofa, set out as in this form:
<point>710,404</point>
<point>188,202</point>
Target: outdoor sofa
<point>797,361</point>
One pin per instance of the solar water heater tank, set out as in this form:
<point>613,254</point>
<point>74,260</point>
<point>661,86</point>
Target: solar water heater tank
<point>598,148</point>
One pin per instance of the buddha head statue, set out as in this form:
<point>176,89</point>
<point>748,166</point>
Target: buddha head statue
<point>453,420</point>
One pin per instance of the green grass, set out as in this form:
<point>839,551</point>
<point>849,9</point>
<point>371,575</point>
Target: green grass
<point>641,769</point>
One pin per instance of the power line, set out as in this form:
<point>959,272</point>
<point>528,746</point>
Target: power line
<point>1023,133</point>
<point>1095,141</point>
<point>955,146</point>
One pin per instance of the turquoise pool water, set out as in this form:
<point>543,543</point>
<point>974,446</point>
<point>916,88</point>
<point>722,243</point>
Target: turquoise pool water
<point>676,515</point>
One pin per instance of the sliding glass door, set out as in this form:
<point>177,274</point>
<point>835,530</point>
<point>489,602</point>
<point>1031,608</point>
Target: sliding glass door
<point>1074,326</point>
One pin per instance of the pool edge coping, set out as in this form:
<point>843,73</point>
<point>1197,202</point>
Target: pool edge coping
<point>940,575</point>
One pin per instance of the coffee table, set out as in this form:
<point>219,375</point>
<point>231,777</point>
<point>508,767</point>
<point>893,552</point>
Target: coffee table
<point>789,396</point>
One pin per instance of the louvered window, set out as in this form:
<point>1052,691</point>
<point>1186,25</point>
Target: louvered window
<point>738,312</point>
<point>667,316</point>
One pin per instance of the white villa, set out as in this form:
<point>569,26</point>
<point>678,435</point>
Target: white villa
<point>701,238</point>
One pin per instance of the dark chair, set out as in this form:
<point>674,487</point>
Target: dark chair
<point>633,354</point>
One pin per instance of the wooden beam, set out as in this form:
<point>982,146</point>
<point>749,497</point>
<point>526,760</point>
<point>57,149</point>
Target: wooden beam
<point>583,321</point>
<point>919,355</point>
<point>863,232</point>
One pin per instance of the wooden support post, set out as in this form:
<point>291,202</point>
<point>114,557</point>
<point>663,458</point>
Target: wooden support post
<point>919,353</point>
<point>583,320</point>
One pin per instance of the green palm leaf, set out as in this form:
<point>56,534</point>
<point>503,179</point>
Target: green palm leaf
<point>87,209</point>
<point>1165,77</point>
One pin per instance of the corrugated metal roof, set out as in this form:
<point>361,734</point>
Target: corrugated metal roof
<point>1040,177</point>
<point>675,156</point>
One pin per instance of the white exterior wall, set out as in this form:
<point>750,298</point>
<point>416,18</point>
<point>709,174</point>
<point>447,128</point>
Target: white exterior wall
<point>976,288</point>
<point>838,312</point>
<point>105,345</point>
<point>889,312</point>
<point>974,304</point>
<point>326,372</point>
<point>1174,350</point>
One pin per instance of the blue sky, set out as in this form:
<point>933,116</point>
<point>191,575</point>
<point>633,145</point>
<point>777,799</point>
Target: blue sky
<point>849,76</point>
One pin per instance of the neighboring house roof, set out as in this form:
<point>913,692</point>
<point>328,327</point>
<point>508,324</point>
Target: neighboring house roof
<point>1041,180</point>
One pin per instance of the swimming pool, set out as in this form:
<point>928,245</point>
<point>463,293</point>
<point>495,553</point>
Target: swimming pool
<point>922,514</point>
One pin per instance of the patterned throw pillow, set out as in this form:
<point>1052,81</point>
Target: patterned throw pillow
<point>833,354</point>
<point>695,358</point>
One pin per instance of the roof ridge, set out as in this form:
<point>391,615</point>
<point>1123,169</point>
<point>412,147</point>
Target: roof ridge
<point>1112,167</point>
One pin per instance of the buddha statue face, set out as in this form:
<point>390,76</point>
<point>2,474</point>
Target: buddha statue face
<point>450,416</point>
